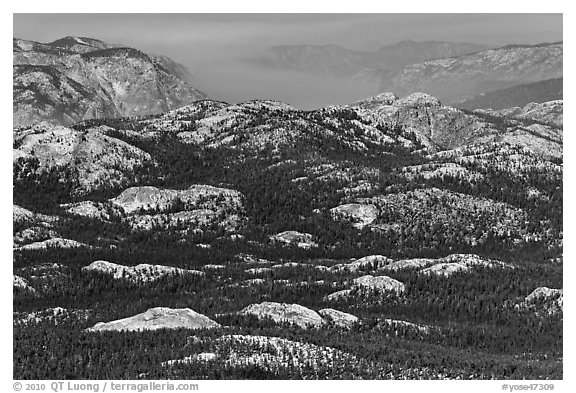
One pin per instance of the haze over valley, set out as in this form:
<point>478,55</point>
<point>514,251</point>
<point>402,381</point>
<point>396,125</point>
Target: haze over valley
<point>241,57</point>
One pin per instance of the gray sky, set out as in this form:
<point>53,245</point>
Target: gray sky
<point>211,44</point>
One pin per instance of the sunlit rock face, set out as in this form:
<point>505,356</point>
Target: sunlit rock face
<point>159,318</point>
<point>282,312</point>
<point>140,273</point>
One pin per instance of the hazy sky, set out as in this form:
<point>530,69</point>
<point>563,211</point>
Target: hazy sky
<point>211,44</point>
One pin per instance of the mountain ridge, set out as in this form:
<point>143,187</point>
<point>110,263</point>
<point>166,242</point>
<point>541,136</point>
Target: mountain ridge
<point>337,61</point>
<point>83,78</point>
<point>520,95</point>
<point>478,72</point>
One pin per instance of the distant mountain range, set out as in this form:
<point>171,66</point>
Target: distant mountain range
<point>336,61</point>
<point>452,71</point>
<point>547,113</point>
<point>543,91</point>
<point>456,78</point>
<point>78,78</point>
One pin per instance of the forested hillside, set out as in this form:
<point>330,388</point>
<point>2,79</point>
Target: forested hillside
<point>424,230</point>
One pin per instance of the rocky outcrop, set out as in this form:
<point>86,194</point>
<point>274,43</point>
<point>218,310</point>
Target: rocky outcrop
<point>56,242</point>
<point>22,284</point>
<point>283,312</point>
<point>21,215</point>
<point>358,214</point>
<point>258,270</point>
<point>33,234</point>
<point>446,266</point>
<point>544,300</point>
<point>90,158</point>
<point>294,238</point>
<point>369,285</point>
<point>142,198</point>
<point>379,283</point>
<point>139,273</point>
<point>91,209</point>
<point>541,293</point>
<point>135,199</point>
<point>414,263</point>
<point>423,118</point>
<point>418,100</point>
<point>338,318</point>
<point>339,295</point>
<point>195,207</point>
<point>374,103</point>
<point>54,315</point>
<point>159,318</point>
<point>445,269</point>
<point>397,325</point>
<point>367,263</point>
<point>213,267</point>
<point>462,262</point>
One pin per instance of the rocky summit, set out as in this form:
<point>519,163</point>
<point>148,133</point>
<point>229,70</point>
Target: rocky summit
<point>140,273</point>
<point>78,78</point>
<point>438,126</point>
<point>544,300</point>
<point>158,318</point>
<point>282,312</point>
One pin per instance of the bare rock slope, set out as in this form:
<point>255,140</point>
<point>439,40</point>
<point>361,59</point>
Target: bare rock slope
<point>78,78</point>
<point>140,273</point>
<point>92,157</point>
<point>159,318</point>
<point>282,312</point>
<point>544,300</point>
<point>339,318</point>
